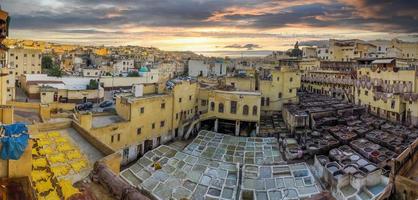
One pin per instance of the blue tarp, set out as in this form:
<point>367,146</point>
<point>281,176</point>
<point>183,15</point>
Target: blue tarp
<point>14,141</point>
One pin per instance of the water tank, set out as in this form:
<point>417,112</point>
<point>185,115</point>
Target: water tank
<point>138,90</point>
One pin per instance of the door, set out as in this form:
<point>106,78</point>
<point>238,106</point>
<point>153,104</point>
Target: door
<point>125,157</point>
<point>147,145</point>
<point>139,150</point>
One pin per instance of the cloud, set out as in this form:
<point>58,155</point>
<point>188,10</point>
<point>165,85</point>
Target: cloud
<point>318,43</point>
<point>224,19</point>
<point>246,46</point>
<point>362,14</point>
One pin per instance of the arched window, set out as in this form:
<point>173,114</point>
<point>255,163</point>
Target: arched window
<point>212,106</point>
<point>254,110</point>
<point>221,108</point>
<point>245,110</point>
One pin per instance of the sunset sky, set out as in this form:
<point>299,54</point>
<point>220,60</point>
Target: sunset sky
<point>210,25</point>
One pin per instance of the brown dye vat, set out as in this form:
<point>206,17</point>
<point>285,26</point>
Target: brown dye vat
<point>375,153</point>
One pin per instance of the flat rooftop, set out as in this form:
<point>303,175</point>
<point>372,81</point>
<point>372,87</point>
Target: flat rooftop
<point>59,159</point>
<point>102,121</point>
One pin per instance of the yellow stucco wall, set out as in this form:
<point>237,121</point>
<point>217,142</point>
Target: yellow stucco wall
<point>242,83</point>
<point>250,99</point>
<point>280,89</point>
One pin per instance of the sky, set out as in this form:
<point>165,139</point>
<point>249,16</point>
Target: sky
<point>210,25</point>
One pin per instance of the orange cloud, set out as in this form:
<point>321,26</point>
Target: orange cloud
<point>260,9</point>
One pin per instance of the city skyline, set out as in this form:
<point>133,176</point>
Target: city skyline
<point>206,26</point>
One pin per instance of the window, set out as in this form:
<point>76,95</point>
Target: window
<point>233,107</point>
<point>245,110</point>
<point>163,106</point>
<point>142,110</point>
<point>25,55</point>
<point>162,123</point>
<point>177,116</point>
<point>118,137</point>
<point>153,126</point>
<point>254,110</point>
<point>212,106</point>
<point>179,100</point>
<point>290,90</point>
<point>262,101</point>
<point>392,104</point>
<point>138,131</point>
<point>366,92</point>
<point>221,108</point>
<point>291,79</point>
<point>190,97</point>
<point>280,95</point>
<point>112,138</point>
<point>203,102</point>
<point>278,78</point>
<point>268,101</point>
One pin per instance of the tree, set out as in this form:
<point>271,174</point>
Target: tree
<point>54,71</point>
<point>93,85</point>
<point>133,74</point>
<point>47,62</point>
<point>296,52</point>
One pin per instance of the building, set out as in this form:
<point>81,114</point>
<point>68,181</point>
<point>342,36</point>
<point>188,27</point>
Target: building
<point>309,52</point>
<point>91,72</point>
<point>24,61</point>
<point>408,50</point>
<point>387,87</point>
<point>206,68</point>
<point>21,61</point>
<point>279,87</point>
<point>65,89</point>
<point>331,78</point>
<point>349,50</point>
<point>323,53</point>
<point>123,66</point>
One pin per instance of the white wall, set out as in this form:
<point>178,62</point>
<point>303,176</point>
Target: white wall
<point>219,69</point>
<point>197,67</point>
<point>123,66</point>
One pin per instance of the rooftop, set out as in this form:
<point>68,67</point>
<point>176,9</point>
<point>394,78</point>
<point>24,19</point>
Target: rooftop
<point>102,121</point>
